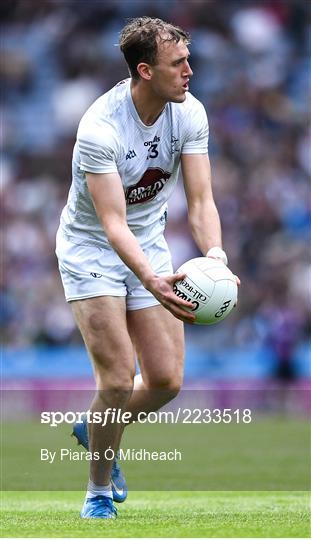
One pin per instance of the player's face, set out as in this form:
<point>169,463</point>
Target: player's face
<point>171,74</point>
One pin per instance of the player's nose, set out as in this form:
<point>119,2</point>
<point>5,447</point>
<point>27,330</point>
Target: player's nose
<point>188,70</point>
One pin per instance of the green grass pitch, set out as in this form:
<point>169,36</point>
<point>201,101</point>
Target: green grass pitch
<point>160,514</point>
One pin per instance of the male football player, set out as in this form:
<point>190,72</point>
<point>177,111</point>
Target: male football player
<point>114,261</point>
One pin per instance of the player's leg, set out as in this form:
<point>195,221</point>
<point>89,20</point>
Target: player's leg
<point>158,338</point>
<point>159,341</point>
<point>103,325</point>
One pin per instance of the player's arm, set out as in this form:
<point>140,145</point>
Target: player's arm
<point>109,201</point>
<point>202,212</point>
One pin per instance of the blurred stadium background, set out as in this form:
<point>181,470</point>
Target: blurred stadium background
<point>251,62</point>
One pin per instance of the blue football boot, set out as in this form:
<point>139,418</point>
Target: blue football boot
<point>99,507</point>
<point>118,483</point>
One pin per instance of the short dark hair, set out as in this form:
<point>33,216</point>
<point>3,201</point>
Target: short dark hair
<point>140,37</point>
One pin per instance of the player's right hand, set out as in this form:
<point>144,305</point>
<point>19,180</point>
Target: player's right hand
<point>162,288</point>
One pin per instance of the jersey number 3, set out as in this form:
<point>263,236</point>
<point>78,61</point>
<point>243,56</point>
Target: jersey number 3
<point>152,151</point>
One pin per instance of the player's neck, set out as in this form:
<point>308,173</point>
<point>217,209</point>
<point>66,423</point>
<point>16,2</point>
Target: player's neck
<point>147,106</point>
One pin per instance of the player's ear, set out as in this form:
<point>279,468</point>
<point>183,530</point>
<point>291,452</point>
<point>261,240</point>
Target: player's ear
<point>144,71</point>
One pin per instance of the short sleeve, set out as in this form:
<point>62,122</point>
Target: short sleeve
<point>197,130</point>
<point>98,148</point>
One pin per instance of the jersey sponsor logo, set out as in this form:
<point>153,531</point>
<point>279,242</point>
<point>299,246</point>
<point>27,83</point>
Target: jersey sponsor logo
<point>156,139</point>
<point>148,187</point>
<point>130,154</point>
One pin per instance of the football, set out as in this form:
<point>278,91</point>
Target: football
<point>210,286</point>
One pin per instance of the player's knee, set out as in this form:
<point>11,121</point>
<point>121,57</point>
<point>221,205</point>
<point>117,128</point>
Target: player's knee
<point>115,395</point>
<point>114,388</point>
<point>170,384</point>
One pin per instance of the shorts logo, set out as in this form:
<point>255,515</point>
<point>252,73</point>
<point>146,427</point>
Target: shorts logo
<point>95,274</point>
<point>148,187</point>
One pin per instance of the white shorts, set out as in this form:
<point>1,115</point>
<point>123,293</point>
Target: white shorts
<point>90,271</point>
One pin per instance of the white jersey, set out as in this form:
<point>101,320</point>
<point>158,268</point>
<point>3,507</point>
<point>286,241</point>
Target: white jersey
<point>112,138</point>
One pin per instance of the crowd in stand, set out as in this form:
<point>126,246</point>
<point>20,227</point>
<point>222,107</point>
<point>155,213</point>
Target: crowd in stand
<point>251,62</point>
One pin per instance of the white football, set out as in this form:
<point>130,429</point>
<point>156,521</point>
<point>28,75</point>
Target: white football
<point>210,286</point>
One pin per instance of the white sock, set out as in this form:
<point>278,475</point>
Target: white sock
<point>93,490</point>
